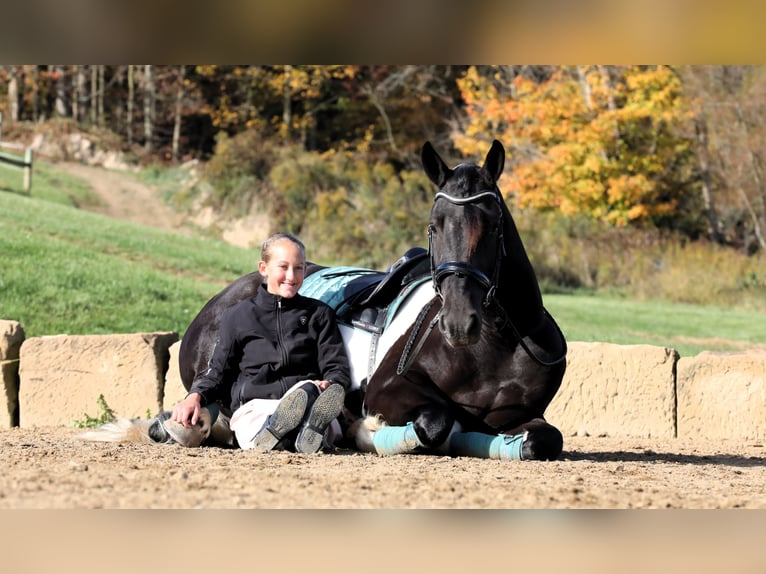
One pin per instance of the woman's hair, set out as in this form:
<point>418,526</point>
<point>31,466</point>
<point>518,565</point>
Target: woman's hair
<point>277,237</point>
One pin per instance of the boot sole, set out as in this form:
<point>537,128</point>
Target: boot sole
<point>287,417</point>
<point>326,408</point>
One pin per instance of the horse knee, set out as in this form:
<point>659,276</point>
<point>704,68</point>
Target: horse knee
<point>543,442</point>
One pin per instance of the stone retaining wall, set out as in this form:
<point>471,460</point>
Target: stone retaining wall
<point>613,390</point>
<point>11,338</point>
<point>617,390</point>
<point>722,395</point>
<point>61,377</point>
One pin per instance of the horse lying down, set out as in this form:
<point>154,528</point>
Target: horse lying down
<point>462,359</point>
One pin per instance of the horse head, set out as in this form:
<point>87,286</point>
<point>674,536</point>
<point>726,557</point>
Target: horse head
<point>465,237</point>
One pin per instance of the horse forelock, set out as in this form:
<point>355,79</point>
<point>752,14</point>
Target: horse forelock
<point>468,180</point>
<point>465,180</point>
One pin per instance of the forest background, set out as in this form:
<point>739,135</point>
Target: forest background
<point>641,181</point>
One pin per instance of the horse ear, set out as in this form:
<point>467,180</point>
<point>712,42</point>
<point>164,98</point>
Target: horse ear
<point>495,160</point>
<point>435,168</point>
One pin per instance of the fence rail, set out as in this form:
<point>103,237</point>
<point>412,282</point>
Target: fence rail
<point>15,161</point>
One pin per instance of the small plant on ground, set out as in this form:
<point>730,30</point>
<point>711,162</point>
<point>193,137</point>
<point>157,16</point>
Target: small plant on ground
<point>107,415</point>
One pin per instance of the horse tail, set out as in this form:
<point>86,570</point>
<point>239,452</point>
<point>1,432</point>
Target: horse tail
<point>363,429</point>
<point>120,430</point>
<point>160,429</point>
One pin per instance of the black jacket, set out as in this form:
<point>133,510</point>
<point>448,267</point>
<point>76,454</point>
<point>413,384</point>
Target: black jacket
<point>268,343</point>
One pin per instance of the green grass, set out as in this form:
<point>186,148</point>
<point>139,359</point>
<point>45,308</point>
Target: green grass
<point>687,328</point>
<point>49,183</point>
<point>64,270</point>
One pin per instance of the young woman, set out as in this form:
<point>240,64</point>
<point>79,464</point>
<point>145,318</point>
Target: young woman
<point>279,364</point>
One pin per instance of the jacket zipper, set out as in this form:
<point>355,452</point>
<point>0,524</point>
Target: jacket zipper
<point>280,336</point>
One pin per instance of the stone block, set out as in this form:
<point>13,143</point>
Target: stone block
<point>174,388</point>
<point>11,338</point>
<point>616,390</point>
<point>9,414</point>
<point>722,395</point>
<point>62,376</point>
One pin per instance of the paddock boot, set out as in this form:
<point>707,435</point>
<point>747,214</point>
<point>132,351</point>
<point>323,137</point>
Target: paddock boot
<point>282,425</point>
<point>480,445</point>
<point>325,408</point>
<point>396,440</point>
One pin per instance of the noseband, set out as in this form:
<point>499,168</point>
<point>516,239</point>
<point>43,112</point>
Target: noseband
<point>464,269</point>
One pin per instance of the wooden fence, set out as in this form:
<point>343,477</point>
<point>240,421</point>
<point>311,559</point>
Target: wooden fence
<point>17,161</point>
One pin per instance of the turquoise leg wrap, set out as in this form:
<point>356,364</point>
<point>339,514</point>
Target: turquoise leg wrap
<point>396,440</point>
<point>480,445</point>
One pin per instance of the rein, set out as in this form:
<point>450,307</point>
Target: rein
<point>408,355</point>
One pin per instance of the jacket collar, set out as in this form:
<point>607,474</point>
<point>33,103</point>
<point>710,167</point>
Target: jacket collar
<point>269,300</point>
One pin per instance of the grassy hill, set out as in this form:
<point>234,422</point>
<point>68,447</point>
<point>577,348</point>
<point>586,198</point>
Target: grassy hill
<point>64,270</point>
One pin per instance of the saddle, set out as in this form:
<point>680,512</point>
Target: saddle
<point>366,298</point>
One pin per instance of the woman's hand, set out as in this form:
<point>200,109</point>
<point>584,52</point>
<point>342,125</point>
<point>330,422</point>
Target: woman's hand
<point>322,384</point>
<point>186,412</point>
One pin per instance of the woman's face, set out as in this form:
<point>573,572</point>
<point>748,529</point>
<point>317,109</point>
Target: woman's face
<point>285,269</point>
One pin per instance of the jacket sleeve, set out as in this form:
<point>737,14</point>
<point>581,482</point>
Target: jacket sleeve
<point>333,361</point>
<point>223,361</point>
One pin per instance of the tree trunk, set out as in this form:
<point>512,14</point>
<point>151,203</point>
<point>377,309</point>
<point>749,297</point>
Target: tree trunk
<point>178,113</point>
<point>62,102</point>
<point>13,93</point>
<point>148,107</point>
<point>80,107</point>
<point>34,72</point>
<point>610,102</point>
<point>131,96</point>
<point>757,179</point>
<point>703,155</point>
<point>287,96</point>
<point>585,88</point>
<point>100,95</point>
<point>93,95</point>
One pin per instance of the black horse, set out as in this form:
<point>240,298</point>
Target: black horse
<point>479,384</point>
<point>497,358</point>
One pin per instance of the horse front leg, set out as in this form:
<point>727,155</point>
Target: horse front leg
<point>428,432</point>
<point>535,440</point>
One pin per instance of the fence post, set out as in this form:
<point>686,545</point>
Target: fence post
<point>28,171</point>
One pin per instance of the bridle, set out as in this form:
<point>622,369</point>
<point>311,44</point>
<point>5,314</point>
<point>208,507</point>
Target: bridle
<point>458,269</point>
<point>464,269</point>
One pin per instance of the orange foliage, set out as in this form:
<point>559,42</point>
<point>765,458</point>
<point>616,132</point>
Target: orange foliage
<point>585,142</point>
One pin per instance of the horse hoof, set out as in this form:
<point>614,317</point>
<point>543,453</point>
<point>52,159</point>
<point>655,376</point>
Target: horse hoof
<point>542,444</point>
<point>189,437</point>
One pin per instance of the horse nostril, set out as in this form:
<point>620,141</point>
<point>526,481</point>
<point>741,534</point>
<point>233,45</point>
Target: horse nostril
<point>461,333</point>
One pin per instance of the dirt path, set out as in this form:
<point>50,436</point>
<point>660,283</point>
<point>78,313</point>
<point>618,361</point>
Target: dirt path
<point>124,197</point>
<point>49,468</point>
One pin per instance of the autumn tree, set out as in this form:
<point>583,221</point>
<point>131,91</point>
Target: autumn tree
<point>730,129</point>
<point>594,141</point>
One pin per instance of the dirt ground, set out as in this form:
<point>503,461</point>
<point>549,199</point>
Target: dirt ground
<point>48,468</point>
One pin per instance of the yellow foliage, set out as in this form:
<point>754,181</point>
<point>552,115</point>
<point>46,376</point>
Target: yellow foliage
<point>596,144</point>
